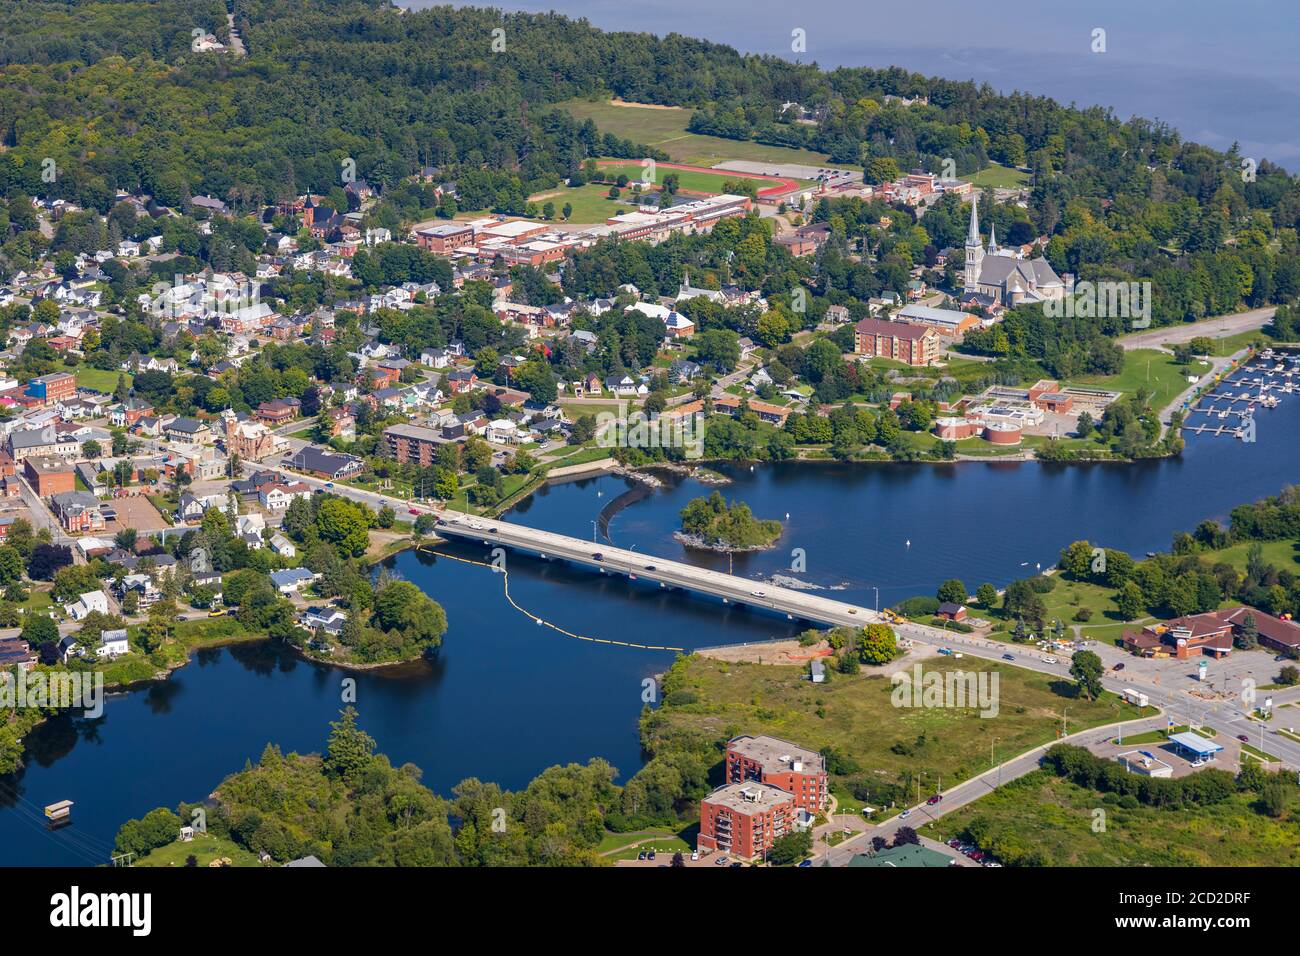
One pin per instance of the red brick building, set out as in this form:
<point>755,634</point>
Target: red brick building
<point>745,819</point>
<point>413,443</point>
<point>910,344</point>
<point>799,772</point>
<point>1211,633</point>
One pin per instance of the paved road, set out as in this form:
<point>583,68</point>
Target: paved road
<point>971,790</point>
<point>1219,327</point>
<point>798,604</point>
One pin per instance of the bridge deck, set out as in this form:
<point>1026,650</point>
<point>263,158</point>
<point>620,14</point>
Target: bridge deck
<point>788,601</point>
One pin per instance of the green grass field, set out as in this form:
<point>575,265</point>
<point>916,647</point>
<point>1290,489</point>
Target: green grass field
<point>1056,818</point>
<point>666,129</point>
<point>591,203</point>
<point>1281,554</point>
<point>856,716</point>
<point>96,378</point>
<point>998,176</point>
<point>205,847</point>
<point>693,181</point>
<point>1144,368</point>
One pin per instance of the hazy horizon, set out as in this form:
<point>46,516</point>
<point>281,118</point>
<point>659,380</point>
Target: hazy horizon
<point>1218,77</point>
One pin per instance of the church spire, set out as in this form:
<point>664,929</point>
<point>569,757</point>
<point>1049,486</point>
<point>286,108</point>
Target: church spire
<point>993,238</point>
<point>973,234</point>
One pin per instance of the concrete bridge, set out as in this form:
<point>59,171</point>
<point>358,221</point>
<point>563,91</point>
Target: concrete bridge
<point>793,603</point>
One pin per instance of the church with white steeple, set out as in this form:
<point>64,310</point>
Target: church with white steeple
<point>1003,276</point>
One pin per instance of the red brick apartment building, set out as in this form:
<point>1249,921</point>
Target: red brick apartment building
<point>413,443</point>
<point>800,773</point>
<point>911,344</point>
<point>745,819</point>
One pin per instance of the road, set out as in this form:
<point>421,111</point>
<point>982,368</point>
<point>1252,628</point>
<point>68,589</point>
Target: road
<point>793,603</point>
<point>1215,328</point>
<point>971,790</point>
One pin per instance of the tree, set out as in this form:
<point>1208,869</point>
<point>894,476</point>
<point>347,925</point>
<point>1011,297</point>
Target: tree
<point>1247,637</point>
<point>952,591</point>
<point>401,606</point>
<point>1130,601</point>
<point>47,559</point>
<point>386,517</point>
<point>906,836</point>
<point>1086,668</point>
<point>790,849</point>
<point>350,751</point>
<point>91,449</point>
<point>878,644</point>
<point>343,524</point>
<point>1076,560</point>
<point>987,595</point>
<point>39,629</point>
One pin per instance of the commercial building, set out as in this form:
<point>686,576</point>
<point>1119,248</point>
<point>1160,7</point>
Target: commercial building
<point>49,476</point>
<point>948,322</point>
<point>799,772</point>
<point>324,464</point>
<point>50,389</point>
<point>910,344</point>
<point>1212,633</point>
<point>745,819</point>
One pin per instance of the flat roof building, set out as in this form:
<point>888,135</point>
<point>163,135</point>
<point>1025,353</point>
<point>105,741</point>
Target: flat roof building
<point>745,819</point>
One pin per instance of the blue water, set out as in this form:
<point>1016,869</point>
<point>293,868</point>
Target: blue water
<point>507,698</point>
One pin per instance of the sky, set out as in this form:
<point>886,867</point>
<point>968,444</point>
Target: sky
<point>1220,73</point>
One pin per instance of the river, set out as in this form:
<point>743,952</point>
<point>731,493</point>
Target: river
<point>507,698</point>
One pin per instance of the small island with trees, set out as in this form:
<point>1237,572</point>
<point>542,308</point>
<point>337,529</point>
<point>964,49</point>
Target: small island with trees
<point>714,524</point>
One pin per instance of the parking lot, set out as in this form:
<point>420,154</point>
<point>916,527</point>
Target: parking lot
<point>135,511</point>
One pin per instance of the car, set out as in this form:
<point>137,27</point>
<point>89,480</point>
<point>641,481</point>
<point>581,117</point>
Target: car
<point>217,612</point>
<point>650,855</point>
<point>650,567</point>
<point>1049,660</point>
<point>695,855</point>
<point>805,862</point>
<point>720,861</point>
<point>757,593</point>
<point>1243,738</point>
<point>935,799</point>
<point>641,855</point>
<point>329,484</point>
<point>492,530</point>
<point>1118,667</point>
<point>414,511</point>
<point>853,611</point>
<point>736,864</point>
<point>1008,657</point>
<point>905,814</point>
<point>954,843</point>
<point>598,557</point>
<point>1280,657</point>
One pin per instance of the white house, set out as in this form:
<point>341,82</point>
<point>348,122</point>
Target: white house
<point>90,601</point>
<point>113,644</point>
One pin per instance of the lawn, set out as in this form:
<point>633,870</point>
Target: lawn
<point>205,847</point>
<point>591,203</point>
<point>856,716</point>
<point>1056,818</point>
<point>998,176</point>
<point>1284,555</point>
<point>690,180</point>
<point>666,129</point>
<point>96,378</point>
<point>1144,368</point>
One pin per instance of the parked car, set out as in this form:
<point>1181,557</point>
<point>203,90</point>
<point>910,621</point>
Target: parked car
<point>954,843</point>
<point>720,861</point>
<point>695,855</point>
<point>805,862</point>
<point>641,855</point>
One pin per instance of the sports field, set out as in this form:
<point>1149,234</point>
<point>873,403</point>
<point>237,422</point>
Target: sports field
<point>697,179</point>
<point>665,128</point>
